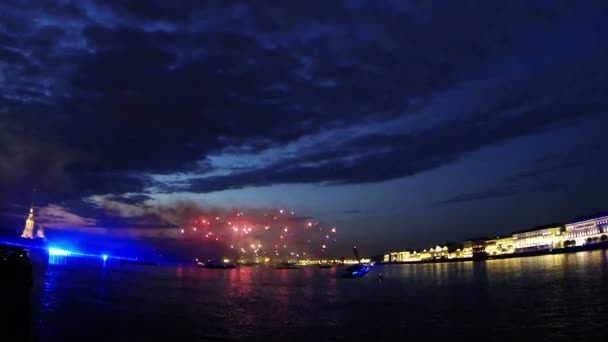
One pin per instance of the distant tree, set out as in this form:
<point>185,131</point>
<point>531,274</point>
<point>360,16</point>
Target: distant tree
<point>596,239</point>
<point>589,240</point>
<point>604,238</point>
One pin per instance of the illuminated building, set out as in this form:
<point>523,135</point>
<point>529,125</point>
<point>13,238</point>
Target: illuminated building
<point>473,247</point>
<point>500,246</point>
<point>28,231</point>
<point>394,256</point>
<point>552,236</point>
<point>505,245</point>
<point>491,247</point>
<point>581,231</point>
<point>439,252</point>
<point>425,255</point>
<point>467,249</point>
<point>397,257</point>
<point>407,256</point>
<point>546,238</point>
<point>456,254</point>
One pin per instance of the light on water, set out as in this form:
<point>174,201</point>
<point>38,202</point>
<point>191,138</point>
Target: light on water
<point>514,298</point>
<point>58,252</point>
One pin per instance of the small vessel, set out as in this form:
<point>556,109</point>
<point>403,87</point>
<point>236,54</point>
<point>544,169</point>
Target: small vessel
<point>213,264</point>
<point>326,265</point>
<point>357,270</point>
<point>287,266</point>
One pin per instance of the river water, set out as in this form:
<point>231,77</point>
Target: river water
<point>553,298</point>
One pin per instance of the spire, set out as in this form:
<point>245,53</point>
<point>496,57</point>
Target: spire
<point>28,230</point>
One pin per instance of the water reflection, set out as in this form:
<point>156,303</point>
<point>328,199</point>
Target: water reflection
<point>179,275</point>
<point>49,301</point>
<point>547,298</point>
<point>101,287</point>
<point>57,259</point>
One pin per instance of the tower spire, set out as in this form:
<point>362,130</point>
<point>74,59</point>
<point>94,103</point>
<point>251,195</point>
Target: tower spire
<point>28,230</point>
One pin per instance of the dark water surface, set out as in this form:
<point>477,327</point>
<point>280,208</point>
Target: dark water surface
<point>552,298</point>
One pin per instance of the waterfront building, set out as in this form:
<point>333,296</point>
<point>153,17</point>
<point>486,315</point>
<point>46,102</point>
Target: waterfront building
<point>425,255</point>
<point>414,256</point>
<point>583,230</point>
<point>491,247</point>
<point>505,245</point>
<point>552,236</point>
<point>467,249</point>
<point>456,254</point>
<point>500,246</point>
<point>545,238</point>
<point>473,247</point>
<point>398,257</point>
<point>403,256</point>
<point>394,256</point>
<point>439,252</point>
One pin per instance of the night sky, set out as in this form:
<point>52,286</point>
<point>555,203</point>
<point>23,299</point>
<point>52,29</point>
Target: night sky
<point>402,123</point>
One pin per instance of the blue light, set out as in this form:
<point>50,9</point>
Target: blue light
<point>59,252</point>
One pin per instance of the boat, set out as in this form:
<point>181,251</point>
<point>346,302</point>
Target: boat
<point>326,266</point>
<point>357,270</point>
<point>213,264</point>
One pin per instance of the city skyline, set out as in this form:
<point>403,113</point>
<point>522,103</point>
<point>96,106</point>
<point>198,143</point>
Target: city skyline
<point>399,123</point>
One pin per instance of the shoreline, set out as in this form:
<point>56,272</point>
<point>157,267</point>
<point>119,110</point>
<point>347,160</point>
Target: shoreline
<point>563,250</point>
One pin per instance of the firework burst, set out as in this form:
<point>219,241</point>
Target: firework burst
<point>278,233</point>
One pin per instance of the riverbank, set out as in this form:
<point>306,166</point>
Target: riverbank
<point>564,250</point>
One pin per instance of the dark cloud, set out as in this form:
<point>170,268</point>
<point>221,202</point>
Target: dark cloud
<point>99,95</point>
<point>543,99</point>
<point>133,199</point>
<point>501,192</point>
<point>564,161</point>
<point>534,179</point>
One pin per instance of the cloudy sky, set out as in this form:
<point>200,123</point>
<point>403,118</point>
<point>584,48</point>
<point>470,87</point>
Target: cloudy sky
<point>403,123</point>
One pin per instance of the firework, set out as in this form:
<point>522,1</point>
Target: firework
<point>275,234</point>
